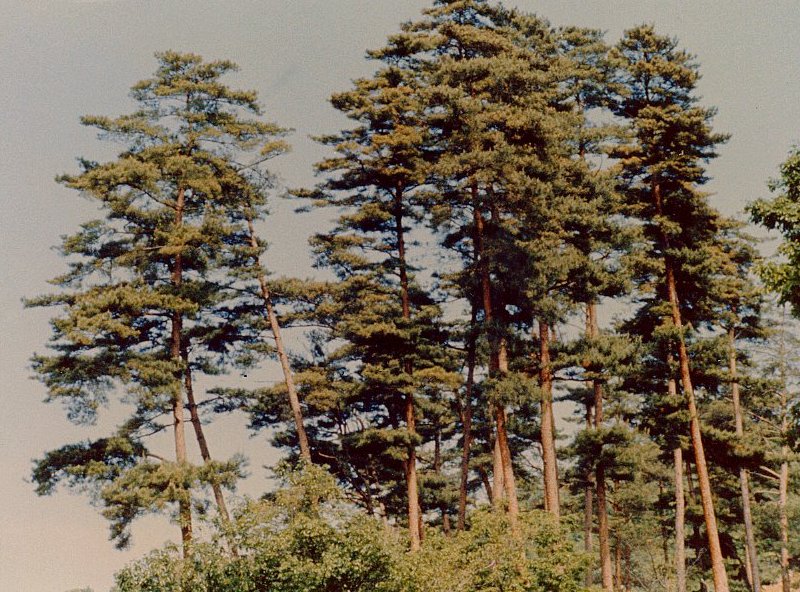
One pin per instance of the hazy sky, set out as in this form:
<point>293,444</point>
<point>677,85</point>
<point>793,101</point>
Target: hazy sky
<point>60,59</point>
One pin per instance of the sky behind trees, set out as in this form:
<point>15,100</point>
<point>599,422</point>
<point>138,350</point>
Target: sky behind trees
<point>61,59</point>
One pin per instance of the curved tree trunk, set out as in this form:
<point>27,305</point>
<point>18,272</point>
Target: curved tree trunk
<point>498,364</point>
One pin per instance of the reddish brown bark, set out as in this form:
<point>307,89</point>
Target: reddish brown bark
<point>498,364</point>
<point>412,481</point>
<point>704,483</point>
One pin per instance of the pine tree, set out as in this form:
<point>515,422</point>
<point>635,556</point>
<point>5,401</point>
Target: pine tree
<point>672,138</point>
<point>379,167</point>
<point>147,299</point>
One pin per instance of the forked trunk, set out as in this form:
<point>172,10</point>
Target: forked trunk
<point>744,478</point>
<point>498,364</point>
<point>288,379</point>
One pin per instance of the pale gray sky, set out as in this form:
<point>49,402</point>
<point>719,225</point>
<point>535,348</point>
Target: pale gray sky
<point>60,59</point>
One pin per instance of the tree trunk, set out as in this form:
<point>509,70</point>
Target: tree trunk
<point>550,468</point>
<point>784,520</point>
<point>706,497</point>
<point>176,344</point>
<point>783,494</point>
<point>466,419</point>
<point>680,530</point>
<point>750,541</point>
<point>680,501</point>
<point>205,453</point>
<point>498,364</point>
<point>498,485</point>
<point>288,379</point>
<point>603,534</point>
<point>588,512</point>
<point>412,481</point>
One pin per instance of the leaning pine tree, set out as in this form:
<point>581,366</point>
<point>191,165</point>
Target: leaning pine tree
<point>663,168</point>
<point>145,303</point>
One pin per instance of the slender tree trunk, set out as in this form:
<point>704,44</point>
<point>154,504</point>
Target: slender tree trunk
<point>680,501</point>
<point>412,481</point>
<point>498,364</point>
<point>205,453</point>
<point>628,572</point>
<point>783,494</point>
<point>603,534</point>
<point>437,468</point>
<point>680,530</point>
<point>783,491</point>
<point>588,512</point>
<point>548,427</point>
<point>618,565</point>
<point>466,419</point>
<point>750,541</point>
<point>176,343</point>
<point>288,379</point>
<point>783,479</point>
<point>706,497</point>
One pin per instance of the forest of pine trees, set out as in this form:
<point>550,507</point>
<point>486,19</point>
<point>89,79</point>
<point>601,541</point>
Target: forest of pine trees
<point>534,356</point>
